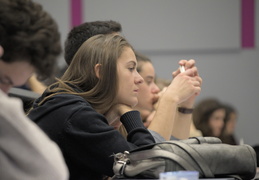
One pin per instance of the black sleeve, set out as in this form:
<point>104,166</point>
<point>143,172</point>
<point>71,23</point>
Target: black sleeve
<point>92,142</point>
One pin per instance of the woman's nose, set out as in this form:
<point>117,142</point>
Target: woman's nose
<point>139,78</point>
<point>155,89</point>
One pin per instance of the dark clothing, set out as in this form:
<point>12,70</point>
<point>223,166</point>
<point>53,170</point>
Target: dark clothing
<point>229,139</point>
<point>84,136</point>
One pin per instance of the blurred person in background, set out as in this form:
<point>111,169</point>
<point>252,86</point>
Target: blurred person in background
<point>228,132</point>
<point>29,43</point>
<point>209,116</point>
<point>160,112</point>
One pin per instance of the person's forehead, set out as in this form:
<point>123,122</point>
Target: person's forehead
<point>127,55</point>
<point>147,69</point>
<point>17,72</point>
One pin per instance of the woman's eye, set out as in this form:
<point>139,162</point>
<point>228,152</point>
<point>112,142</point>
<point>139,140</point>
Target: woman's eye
<point>149,82</point>
<point>132,68</point>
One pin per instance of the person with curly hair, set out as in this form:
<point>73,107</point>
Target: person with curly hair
<point>79,34</point>
<point>29,43</point>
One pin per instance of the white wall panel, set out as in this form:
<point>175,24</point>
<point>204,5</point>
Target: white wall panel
<point>172,25</point>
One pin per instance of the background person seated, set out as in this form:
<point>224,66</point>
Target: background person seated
<point>209,116</point>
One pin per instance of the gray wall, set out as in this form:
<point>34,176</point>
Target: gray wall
<point>229,72</point>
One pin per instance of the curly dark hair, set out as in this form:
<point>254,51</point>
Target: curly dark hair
<point>79,34</point>
<point>28,33</point>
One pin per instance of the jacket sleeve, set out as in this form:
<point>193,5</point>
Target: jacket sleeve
<point>94,142</point>
<point>24,148</point>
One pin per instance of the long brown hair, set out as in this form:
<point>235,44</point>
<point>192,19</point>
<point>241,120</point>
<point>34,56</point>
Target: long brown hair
<point>98,91</point>
<point>202,113</point>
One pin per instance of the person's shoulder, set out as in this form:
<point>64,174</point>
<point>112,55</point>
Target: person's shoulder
<point>9,104</point>
<point>63,102</point>
<point>70,99</point>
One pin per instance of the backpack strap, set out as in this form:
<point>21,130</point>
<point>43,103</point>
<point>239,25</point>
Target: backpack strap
<point>157,153</point>
<point>124,167</point>
<point>195,156</point>
<point>209,140</point>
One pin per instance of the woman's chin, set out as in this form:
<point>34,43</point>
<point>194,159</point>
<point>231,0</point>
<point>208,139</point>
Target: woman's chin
<point>117,125</point>
<point>134,103</point>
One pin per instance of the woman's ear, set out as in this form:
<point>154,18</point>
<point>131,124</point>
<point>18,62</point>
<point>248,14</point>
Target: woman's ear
<point>97,68</point>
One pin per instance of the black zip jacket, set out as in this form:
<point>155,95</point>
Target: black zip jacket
<point>84,136</point>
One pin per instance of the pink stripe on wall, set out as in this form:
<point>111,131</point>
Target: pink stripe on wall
<point>248,23</point>
<point>75,12</point>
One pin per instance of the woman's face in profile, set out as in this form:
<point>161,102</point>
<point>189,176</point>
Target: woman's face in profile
<point>128,77</point>
<point>231,123</point>
<point>216,122</point>
<point>148,94</point>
